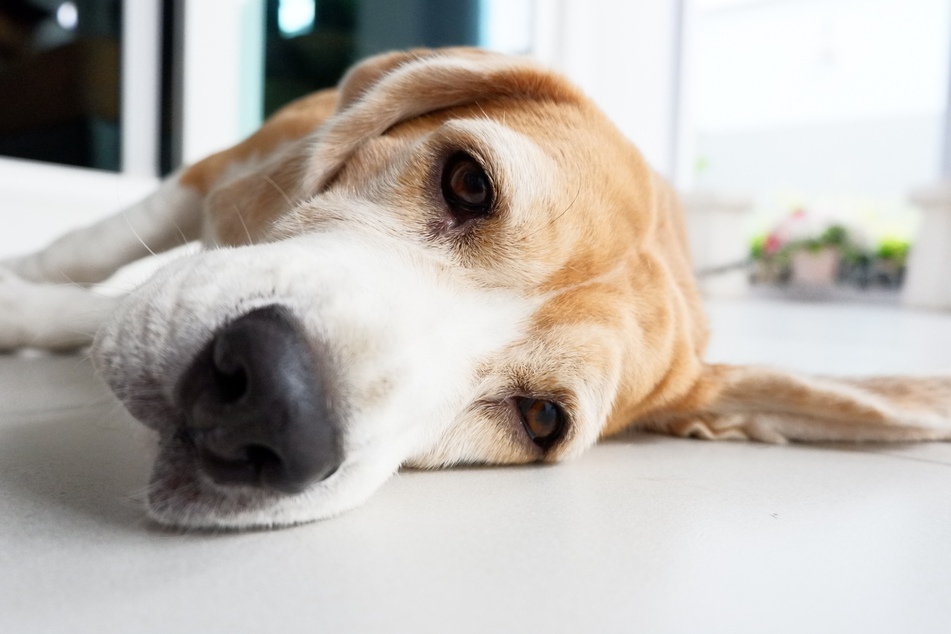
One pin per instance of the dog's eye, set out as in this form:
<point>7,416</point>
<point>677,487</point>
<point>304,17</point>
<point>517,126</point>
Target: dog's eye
<point>543,420</point>
<point>466,187</point>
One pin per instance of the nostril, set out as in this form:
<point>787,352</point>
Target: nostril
<point>249,465</point>
<point>252,465</point>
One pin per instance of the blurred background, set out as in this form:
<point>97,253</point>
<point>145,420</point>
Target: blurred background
<point>808,138</point>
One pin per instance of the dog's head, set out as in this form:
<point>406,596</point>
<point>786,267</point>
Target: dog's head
<point>465,263</point>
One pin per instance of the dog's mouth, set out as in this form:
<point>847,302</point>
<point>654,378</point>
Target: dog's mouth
<point>181,493</point>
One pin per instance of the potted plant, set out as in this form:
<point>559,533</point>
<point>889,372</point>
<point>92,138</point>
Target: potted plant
<point>815,260</point>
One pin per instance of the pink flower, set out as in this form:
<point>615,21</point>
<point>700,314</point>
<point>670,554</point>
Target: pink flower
<point>773,244</point>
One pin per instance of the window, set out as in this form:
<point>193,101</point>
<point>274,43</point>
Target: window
<point>833,107</point>
<point>68,91</point>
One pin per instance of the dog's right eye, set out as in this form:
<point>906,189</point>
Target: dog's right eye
<point>543,420</point>
<point>466,188</point>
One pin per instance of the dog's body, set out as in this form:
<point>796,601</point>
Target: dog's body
<point>454,258</point>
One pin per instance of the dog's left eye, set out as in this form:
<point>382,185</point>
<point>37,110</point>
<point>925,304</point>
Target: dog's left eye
<point>543,420</point>
<point>466,187</point>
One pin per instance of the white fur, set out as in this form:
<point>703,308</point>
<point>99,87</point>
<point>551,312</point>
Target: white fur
<point>47,315</point>
<point>169,217</point>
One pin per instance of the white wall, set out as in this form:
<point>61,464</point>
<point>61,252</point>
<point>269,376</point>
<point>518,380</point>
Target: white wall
<point>830,104</point>
<point>624,55</point>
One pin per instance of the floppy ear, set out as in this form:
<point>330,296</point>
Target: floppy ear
<point>239,209</point>
<point>359,79</point>
<point>758,403</point>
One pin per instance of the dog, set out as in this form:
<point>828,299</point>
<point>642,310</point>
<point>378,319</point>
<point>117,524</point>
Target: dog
<point>452,258</point>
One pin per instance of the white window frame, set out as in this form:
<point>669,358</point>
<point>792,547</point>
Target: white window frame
<point>222,98</point>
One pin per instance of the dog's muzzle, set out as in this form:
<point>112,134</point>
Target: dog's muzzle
<point>254,408</point>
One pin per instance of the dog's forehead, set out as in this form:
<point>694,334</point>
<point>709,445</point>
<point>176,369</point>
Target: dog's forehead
<point>580,196</point>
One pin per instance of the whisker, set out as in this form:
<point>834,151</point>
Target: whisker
<point>70,281</point>
<point>283,193</point>
<point>137,236</point>
<point>185,240</point>
<point>559,216</point>
<point>241,218</point>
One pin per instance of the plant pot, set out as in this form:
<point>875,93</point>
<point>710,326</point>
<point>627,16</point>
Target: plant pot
<point>815,268</point>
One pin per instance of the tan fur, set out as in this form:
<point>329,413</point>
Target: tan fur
<point>239,208</point>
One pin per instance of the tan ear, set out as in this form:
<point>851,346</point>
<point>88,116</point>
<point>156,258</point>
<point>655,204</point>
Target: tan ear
<point>360,78</point>
<point>243,210</point>
<point>240,209</point>
<point>758,403</point>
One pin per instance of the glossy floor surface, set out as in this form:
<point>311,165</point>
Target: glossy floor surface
<point>642,534</point>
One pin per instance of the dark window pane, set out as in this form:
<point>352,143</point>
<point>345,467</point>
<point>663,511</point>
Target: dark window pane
<point>310,43</point>
<point>59,81</point>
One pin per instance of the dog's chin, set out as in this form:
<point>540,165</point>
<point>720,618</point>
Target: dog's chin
<point>181,496</point>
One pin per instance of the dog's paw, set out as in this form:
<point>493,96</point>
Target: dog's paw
<point>26,268</point>
<point>51,316</point>
<point>13,316</point>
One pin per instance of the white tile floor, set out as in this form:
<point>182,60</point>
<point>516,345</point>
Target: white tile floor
<point>643,534</point>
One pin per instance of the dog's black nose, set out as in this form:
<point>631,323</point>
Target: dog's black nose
<point>254,406</point>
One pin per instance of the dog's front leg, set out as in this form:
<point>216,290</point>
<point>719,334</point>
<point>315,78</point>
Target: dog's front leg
<point>167,218</point>
<point>43,302</point>
<point>51,316</point>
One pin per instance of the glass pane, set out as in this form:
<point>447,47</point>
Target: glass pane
<point>59,81</point>
<point>310,43</point>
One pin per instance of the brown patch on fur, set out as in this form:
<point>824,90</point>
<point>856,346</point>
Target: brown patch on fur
<point>242,210</point>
